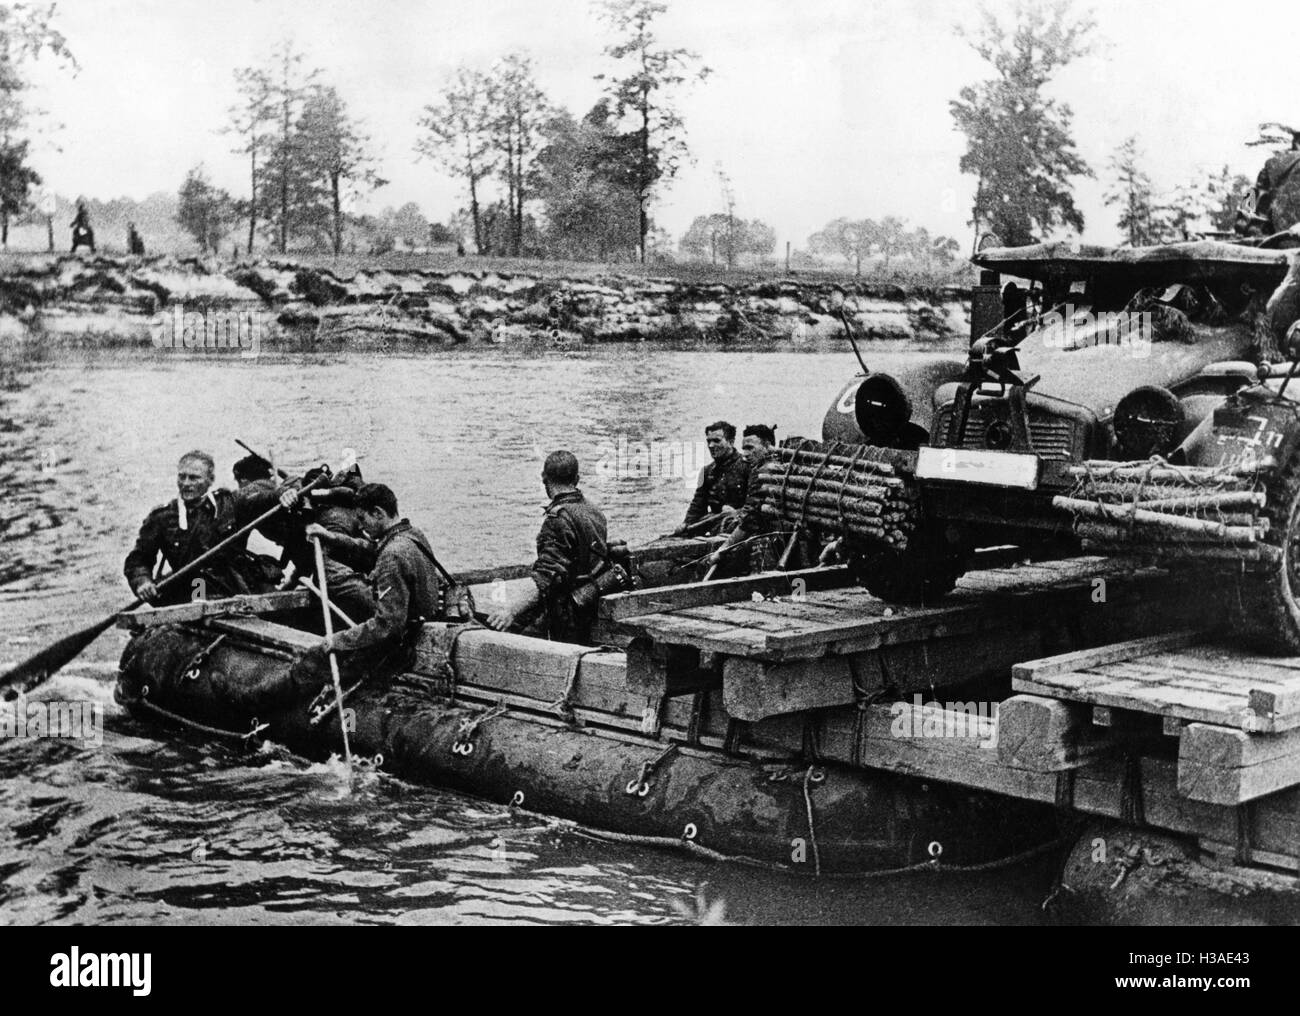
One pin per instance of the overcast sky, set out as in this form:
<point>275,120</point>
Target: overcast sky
<point>816,108</point>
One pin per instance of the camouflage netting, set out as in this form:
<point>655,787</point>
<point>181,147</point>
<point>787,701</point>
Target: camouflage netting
<point>859,492</point>
<point>1155,508</point>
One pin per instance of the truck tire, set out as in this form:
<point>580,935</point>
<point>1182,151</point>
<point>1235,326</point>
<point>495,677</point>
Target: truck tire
<point>1267,604</point>
<point>920,575</point>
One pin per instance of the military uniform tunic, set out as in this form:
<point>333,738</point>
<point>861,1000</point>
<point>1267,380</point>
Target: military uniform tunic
<point>722,481</point>
<point>405,584</point>
<point>181,533</point>
<point>571,546</point>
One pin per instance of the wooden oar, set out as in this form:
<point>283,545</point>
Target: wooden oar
<point>699,524</point>
<point>41,667</point>
<point>334,660</point>
<point>308,583</point>
<point>283,474</point>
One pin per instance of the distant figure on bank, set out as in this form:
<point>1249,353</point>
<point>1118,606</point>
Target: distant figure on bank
<point>134,242</point>
<point>82,234</point>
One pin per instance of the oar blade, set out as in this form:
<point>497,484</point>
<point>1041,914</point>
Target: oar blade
<point>40,667</point>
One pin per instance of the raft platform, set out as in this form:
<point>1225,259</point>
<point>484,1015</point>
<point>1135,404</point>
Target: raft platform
<point>1087,683</point>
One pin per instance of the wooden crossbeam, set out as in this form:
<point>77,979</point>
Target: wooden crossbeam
<point>197,610</point>
<point>1223,765</point>
<point>703,594</point>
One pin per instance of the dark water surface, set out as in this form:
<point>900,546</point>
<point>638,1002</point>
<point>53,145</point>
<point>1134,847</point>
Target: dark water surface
<point>144,830</point>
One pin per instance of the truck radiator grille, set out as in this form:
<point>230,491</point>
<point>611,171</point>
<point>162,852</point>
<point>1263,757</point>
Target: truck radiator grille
<point>1053,437</point>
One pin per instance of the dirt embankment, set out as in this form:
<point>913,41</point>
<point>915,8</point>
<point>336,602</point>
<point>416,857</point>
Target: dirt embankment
<point>169,301</point>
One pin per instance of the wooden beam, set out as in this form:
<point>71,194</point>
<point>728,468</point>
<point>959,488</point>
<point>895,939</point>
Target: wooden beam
<point>703,594</point>
<point>754,690</point>
<point>657,671</point>
<point>1084,659</point>
<point>262,632</point>
<point>1046,735</point>
<point>1103,787</point>
<point>197,610</point>
<point>540,669</point>
<point>1224,765</point>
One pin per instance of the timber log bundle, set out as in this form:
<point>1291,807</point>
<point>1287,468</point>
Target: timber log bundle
<point>860,492</point>
<point>1169,511</point>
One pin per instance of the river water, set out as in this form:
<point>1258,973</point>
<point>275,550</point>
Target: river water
<point>142,829</point>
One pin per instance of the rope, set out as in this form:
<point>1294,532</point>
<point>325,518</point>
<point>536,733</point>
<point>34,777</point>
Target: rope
<point>194,725</point>
<point>812,828</point>
<point>807,494</point>
<point>640,786</point>
<point>699,850</point>
<point>464,741</point>
<point>563,706</point>
<point>789,467</point>
<point>848,474</point>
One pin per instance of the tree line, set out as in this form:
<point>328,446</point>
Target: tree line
<point>542,181</point>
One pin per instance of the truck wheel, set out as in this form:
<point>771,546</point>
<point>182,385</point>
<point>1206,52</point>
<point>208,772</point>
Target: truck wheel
<point>920,575</point>
<point>1268,601</point>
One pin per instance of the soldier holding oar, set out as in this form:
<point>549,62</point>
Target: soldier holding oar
<point>39,668</point>
<point>408,590</point>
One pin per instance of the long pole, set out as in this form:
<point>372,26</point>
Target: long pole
<point>334,660</point>
<point>40,667</point>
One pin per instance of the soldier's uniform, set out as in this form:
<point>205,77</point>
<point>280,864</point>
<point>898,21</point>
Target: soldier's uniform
<point>407,590</point>
<point>751,522</point>
<point>722,481</point>
<point>1278,204</point>
<point>572,545</point>
<point>182,533</point>
<point>349,557</point>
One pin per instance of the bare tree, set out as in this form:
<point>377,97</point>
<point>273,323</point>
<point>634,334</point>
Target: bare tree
<point>643,91</point>
<point>251,119</point>
<point>334,148</point>
<point>459,136</point>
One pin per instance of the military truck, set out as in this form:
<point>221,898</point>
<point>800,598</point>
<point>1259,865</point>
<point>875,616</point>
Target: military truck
<point>1115,400</point>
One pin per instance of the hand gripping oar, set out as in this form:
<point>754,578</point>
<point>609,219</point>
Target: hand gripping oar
<point>39,668</point>
<point>334,660</point>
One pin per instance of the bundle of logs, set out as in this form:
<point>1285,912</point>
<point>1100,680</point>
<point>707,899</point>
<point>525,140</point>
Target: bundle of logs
<point>1168,511</point>
<point>858,492</point>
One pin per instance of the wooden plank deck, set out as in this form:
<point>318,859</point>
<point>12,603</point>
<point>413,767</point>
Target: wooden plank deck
<point>1168,676</point>
<point>851,620</point>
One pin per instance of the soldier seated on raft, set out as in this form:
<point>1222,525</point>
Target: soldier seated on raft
<point>408,590</point>
<point>327,512</point>
<point>191,525</point>
<point>575,564</point>
<point>348,552</point>
<point>722,483</point>
<point>758,444</point>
